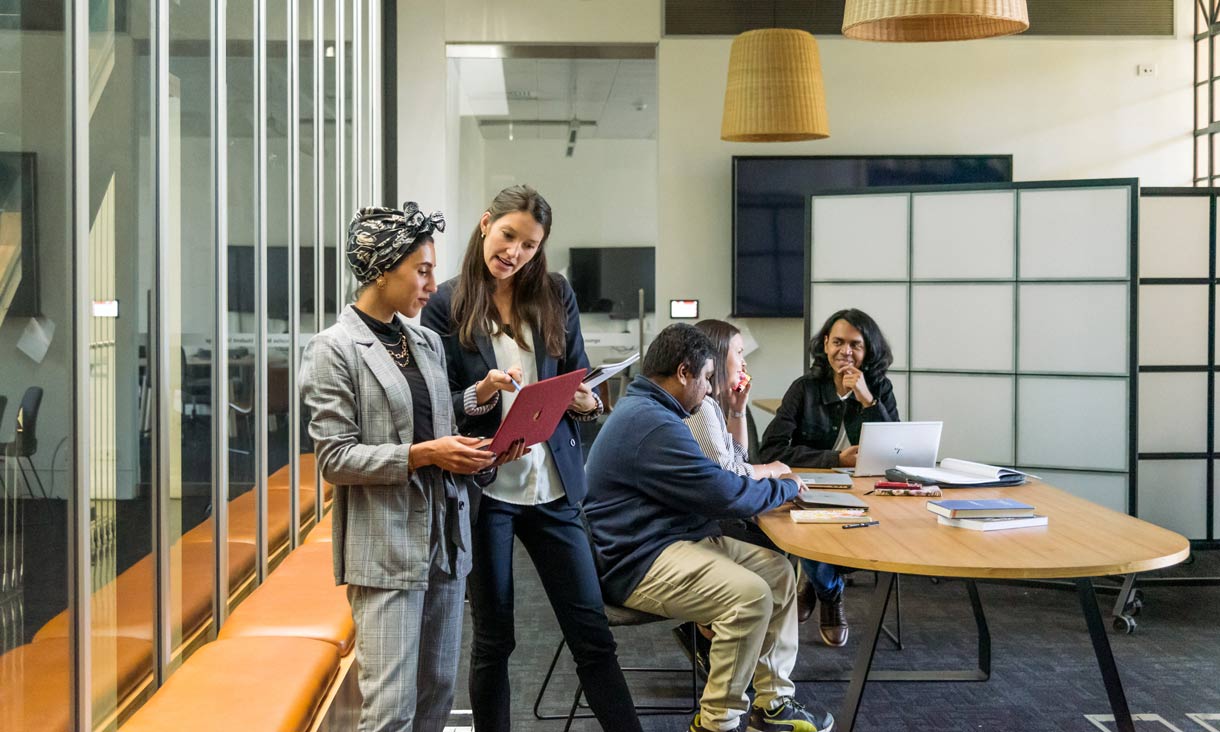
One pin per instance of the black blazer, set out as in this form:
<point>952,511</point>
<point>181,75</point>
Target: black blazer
<point>806,425</point>
<point>467,367</point>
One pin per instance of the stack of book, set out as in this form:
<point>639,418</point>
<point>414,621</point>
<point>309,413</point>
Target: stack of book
<point>986,514</point>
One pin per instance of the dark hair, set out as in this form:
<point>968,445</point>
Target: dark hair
<point>536,297</point>
<point>680,344</point>
<point>877,355</point>
<point>720,334</point>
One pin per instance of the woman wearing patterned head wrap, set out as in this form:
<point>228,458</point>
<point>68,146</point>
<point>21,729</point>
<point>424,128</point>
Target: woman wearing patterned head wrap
<point>382,427</point>
<point>506,311</point>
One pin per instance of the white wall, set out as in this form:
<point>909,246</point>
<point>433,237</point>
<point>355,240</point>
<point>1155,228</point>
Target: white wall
<point>1064,108</point>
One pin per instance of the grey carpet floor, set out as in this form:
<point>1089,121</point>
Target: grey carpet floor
<point>1044,673</point>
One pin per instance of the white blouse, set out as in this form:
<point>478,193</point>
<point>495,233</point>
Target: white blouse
<point>712,433</point>
<point>533,479</point>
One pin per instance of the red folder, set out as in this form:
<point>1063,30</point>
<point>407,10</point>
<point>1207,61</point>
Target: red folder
<point>536,411</point>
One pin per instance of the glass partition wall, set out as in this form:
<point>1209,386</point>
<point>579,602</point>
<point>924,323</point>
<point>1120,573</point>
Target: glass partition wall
<point>175,180</point>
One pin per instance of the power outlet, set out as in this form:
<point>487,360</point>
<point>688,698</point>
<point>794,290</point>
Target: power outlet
<point>1145,70</point>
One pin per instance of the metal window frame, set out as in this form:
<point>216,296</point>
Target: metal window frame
<point>220,326</point>
<point>294,271</point>
<point>1205,33</point>
<point>340,146</point>
<point>319,195</point>
<point>260,287</point>
<point>80,571</point>
<point>159,353</point>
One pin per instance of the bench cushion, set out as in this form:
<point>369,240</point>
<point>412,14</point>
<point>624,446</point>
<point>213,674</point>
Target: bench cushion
<point>265,684</point>
<point>243,518</point>
<point>298,599</point>
<point>36,693</point>
<point>322,533</point>
<point>124,607</point>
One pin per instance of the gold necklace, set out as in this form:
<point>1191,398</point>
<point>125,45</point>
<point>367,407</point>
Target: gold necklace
<point>402,356</point>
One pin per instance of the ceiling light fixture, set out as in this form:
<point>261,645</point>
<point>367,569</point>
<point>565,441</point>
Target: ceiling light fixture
<point>774,91</point>
<point>933,20</point>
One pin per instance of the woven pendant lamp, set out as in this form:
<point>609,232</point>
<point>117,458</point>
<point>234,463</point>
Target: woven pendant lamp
<point>933,20</point>
<point>774,91</point>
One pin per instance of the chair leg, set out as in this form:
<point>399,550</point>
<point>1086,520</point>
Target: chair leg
<point>41,488</point>
<point>546,681</point>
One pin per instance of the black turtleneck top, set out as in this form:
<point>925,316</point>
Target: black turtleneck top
<point>390,334</point>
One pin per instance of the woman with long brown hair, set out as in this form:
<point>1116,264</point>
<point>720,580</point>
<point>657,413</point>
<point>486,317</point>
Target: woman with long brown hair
<point>505,320</point>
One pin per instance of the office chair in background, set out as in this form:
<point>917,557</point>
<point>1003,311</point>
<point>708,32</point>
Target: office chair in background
<point>25,439</point>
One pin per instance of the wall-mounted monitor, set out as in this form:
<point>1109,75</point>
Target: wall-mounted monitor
<point>608,279</point>
<point>769,196</point>
<point>19,231</point>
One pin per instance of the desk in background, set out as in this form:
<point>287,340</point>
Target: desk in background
<point>1082,540</point>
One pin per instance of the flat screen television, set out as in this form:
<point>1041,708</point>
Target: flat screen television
<point>608,279</point>
<point>769,198</point>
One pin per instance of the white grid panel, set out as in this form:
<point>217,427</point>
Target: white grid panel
<point>977,412</point>
<point>1105,489</point>
<point>1173,325</point>
<point>1072,422</point>
<point>962,327</point>
<point>1174,236</point>
<point>861,237</point>
<point>1172,494</point>
<point>1171,416</point>
<point>1074,328</point>
<point>1074,233</point>
<point>965,235</point>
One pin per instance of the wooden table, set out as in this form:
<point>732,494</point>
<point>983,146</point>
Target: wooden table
<point>1082,540</point>
<point>770,406</point>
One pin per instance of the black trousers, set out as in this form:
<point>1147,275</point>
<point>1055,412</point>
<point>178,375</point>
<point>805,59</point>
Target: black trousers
<point>555,539</point>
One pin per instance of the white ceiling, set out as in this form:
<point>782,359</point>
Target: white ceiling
<point>618,95</point>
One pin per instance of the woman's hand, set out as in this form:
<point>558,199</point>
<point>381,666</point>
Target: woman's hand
<point>847,458</point>
<point>739,399</point>
<point>457,454</point>
<point>497,380</point>
<point>583,401</point>
<point>853,378</point>
<point>514,452</point>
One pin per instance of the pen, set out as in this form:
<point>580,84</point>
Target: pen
<point>515,384</point>
<point>860,526</point>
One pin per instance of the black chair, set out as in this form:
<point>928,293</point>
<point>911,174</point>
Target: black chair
<point>621,617</point>
<point>25,440</point>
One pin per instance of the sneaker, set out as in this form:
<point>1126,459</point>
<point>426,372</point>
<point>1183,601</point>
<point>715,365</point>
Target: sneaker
<point>789,716</point>
<point>832,622</point>
<point>703,646</point>
<point>697,726</point>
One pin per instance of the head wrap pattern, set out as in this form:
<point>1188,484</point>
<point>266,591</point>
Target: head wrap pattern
<point>379,237</point>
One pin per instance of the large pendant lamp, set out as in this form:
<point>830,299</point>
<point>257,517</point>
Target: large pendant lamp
<point>774,91</point>
<point>933,20</point>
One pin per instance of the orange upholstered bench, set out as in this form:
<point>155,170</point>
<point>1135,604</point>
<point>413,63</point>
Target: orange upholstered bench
<point>37,681</point>
<point>265,684</point>
<point>280,478</point>
<point>243,518</point>
<point>298,599</point>
<point>323,532</point>
<point>124,607</point>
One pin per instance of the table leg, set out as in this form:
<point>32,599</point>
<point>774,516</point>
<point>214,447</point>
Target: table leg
<point>1105,657</point>
<point>864,654</point>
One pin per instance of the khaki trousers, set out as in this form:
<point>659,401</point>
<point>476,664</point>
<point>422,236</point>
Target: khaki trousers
<point>747,595</point>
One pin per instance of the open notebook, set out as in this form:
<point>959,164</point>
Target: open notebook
<point>964,473</point>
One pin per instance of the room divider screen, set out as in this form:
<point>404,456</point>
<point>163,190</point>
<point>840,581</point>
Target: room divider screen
<point>1177,360</point>
<point>1010,309</point>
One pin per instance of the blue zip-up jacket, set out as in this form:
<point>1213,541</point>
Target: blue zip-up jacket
<point>650,485</point>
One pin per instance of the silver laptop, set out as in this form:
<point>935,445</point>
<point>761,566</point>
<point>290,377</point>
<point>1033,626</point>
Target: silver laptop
<point>835,480</point>
<point>884,445</point>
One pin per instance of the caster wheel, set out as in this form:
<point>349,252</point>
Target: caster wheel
<point>1134,607</point>
<point>1124,624</point>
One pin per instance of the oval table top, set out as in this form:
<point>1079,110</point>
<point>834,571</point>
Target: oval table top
<point>1081,538</point>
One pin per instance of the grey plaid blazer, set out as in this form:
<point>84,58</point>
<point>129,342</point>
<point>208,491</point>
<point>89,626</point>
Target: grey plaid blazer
<point>361,427</point>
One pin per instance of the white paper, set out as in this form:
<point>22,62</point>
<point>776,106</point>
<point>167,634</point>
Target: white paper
<point>596,376</point>
<point>36,338</point>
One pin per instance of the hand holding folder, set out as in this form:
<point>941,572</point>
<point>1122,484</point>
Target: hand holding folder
<point>536,412</point>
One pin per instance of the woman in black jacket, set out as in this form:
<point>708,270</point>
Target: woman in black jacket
<point>818,426</point>
<point>506,320</point>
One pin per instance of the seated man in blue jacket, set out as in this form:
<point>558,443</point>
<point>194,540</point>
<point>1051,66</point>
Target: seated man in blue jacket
<point>654,502</point>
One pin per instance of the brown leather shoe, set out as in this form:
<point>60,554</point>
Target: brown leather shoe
<point>833,622</point>
<point>805,598</point>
